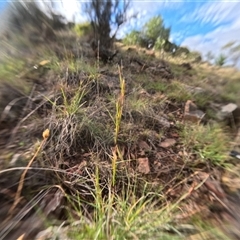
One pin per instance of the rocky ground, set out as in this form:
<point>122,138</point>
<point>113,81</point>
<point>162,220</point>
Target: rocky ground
<point>151,130</point>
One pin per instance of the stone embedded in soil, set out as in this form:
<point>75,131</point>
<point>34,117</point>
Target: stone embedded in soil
<point>229,113</point>
<point>143,165</point>
<point>144,146</point>
<point>163,121</point>
<point>192,113</point>
<point>53,232</point>
<point>169,142</point>
<point>183,153</point>
<point>176,135</point>
<point>229,108</point>
<point>190,106</point>
<point>187,66</point>
<point>194,90</point>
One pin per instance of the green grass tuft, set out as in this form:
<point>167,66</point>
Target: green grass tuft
<point>209,142</point>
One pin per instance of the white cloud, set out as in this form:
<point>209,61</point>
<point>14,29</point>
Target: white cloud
<point>213,41</point>
<point>224,16</point>
<point>73,10</point>
<point>214,13</point>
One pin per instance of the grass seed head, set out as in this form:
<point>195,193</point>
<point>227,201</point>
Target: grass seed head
<point>46,134</point>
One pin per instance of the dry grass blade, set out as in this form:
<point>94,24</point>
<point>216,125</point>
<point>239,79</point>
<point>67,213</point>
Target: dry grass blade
<point>21,182</point>
<point>16,128</point>
<point>8,226</point>
<point>55,201</point>
<point>21,237</point>
<point>8,108</point>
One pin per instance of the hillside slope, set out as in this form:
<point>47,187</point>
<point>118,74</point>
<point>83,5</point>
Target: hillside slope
<point>137,147</point>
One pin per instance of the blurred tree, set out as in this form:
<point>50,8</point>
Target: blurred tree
<point>195,56</point>
<point>83,29</point>
<point>209,56</point>
<point>233,49</point>
<point>229,45</point>
<point>181,51</point>
<point>106,16</point>
<point>23,13</point>
<point>132,38</point>
<point>220,60</point>
<point>155,31</point>
<point>152,34</point>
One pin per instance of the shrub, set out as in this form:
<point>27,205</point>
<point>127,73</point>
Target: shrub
<point>180,51</point>
<point>105,17</point>
<point>132,38</point>
<point>83,29</point>
<point>220,60</point>
<point>154,30</point>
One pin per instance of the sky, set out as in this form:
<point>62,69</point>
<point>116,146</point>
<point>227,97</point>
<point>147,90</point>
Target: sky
<point>2,4</point>
<point>200,25</point>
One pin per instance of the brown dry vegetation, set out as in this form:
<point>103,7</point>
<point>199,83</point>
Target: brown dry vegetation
<point>120,161</point>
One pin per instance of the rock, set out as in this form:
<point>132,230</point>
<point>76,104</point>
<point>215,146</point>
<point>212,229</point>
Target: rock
<point>144,146</point>
<point>192,113</point>
<point>143,165</point>
<point>194,116</point>
<point>53,232</point>
<point>163,121</point>
<point>190,106</point>
<point>194,90</point>
<point>229,108</point>
<point>235,154</point>
<point>229,111</point>
<point>45,234</point>
<point>143,93</point>
<point>187,66</point>
<point>162,71</point>
<point>169,142</point>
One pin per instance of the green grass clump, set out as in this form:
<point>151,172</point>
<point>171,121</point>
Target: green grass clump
<point>177,91</point>
<point>134,103</point>
<point>156,86</point>
<point>127,221</point>
<point>82,29</point>
<point>10,68</point>
<point>209,142</point>
<point>132,213</point>
<point>202,99</point>
<point>231,91</point>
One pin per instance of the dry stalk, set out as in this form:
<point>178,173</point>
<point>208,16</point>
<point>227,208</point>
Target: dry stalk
<point>21,182</point>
